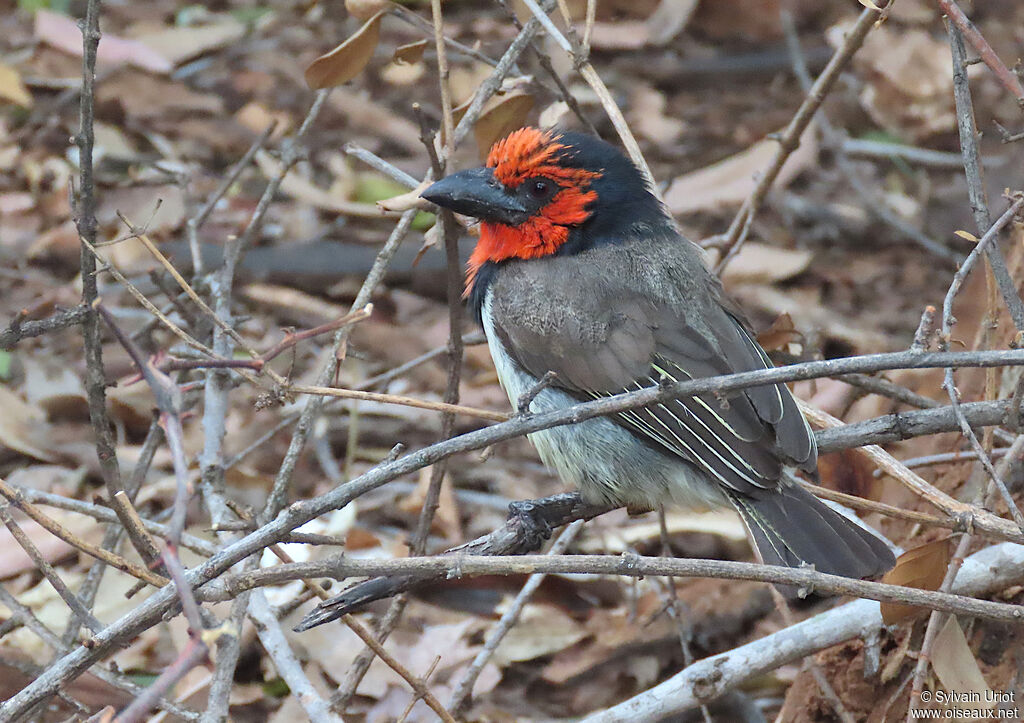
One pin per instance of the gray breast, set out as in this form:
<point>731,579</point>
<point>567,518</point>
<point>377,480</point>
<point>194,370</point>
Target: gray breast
<point>605,461</point>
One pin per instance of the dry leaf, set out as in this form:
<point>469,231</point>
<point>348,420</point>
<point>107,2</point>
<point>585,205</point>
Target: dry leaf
<point>347,60</point>
<point>957,668</point>
<point>647,115</point>
<point>760,263</point>
<point>406,201</point>
<point>668,20</point>
<point>24,428</point>
<point>14,560</point>
<point>446,519</point>
<point>780,334</point>
<point>541,630</point>
<point>11,87</point>
<point>62,32</point>
<point>183,43</point>
<point>909,84</point>
<point>403,75</point>
<point>257,118</point>
<point>498,121</point>
<point>366,9</point>
<point>621,35</point>
<point>731,180</point>
<point>922,567</point>
<point>410,52</point>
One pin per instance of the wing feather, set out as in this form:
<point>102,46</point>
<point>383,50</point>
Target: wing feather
<point>632,326</point>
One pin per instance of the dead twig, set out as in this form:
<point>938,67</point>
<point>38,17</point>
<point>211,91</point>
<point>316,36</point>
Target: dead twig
<point>464,688</point>
<point>789,140</point>
<point>19,329</point>
<point>1006,77</point>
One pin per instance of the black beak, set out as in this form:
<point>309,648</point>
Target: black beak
<point>479,194</point>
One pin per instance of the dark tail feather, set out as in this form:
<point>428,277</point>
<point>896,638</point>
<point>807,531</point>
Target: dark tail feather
<point>791,527</point>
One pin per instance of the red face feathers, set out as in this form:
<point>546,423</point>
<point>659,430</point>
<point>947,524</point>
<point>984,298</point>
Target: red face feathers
<point>532,192</point>
<point>528,161</point>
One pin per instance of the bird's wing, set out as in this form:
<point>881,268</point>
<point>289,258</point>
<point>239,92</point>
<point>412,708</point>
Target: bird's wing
<point>610,334</point>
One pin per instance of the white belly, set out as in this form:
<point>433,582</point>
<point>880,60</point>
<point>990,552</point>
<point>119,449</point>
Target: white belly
<point>606,462</point>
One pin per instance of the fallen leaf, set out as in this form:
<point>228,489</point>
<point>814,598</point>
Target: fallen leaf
<point>957,668</point>
<point>347,60</point>
<point>23,428</point>
<point>446,520</point>
<point>366,9</point>
<point>908,88</point>
<point>760,263</point>
<point>53,387</point>
<point>403,75</point>
<point>178,44</point>
<point>730,181</point>
<point>11,87</point>
<point>622,35</point>
<point>668,20</point>
<point>14,560</point>
<point>541,630</point>
<point>62,32</point>
<point>410,52</point>
<point>780,334</point>
<point>923,568</point>
<point>647,115</point>
<point>257,118</point>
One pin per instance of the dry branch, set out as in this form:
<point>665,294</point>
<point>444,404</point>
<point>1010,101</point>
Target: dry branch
<point>989,570</point>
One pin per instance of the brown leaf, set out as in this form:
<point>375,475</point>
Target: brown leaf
<point>668,20</point>
<point>408,200</point>
<point>648,117</point>
<point>761,263</point>
<point>499,120</point>
<point>11,87</point>
<point>922,567</point>
<point>24,429</point>
<point>185,42</point>
<point>851,473</point>
<point>731,180</point>
<point>780,334</point>
<point>957,668</point>
<point>62,32</point>
<point>620,35</point>
<point>410,52</point>
<point>366,9</point>
<point>541,630</point>
<point>347,60</point>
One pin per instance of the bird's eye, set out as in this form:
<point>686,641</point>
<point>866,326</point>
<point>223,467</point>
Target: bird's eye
<point>540,188</point>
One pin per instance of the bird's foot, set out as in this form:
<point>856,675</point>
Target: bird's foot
<point>530,514</point>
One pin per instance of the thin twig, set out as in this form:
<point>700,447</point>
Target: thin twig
<point>628,565</point>
<point>1005,76</point>
<point>464,689</point>
<point>789,140</point>
<point>16,498</point>
<point>975,180</point>
<point>44,567</point>
<point>19,329</point>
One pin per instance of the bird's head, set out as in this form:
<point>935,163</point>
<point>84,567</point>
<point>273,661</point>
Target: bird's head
<point>548,192</point>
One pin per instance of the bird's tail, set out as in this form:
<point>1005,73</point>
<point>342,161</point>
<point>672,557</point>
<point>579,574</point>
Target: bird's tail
<point>791,527</point>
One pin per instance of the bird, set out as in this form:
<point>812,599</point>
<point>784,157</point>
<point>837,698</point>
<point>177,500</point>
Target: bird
<point>582,278</point>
